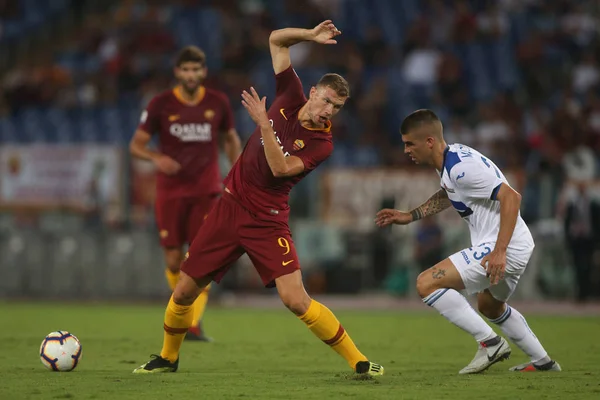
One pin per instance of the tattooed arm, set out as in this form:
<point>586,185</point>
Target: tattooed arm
<point>436,203</point>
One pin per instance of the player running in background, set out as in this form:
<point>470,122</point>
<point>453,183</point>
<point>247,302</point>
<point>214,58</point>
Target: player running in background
<point>190,121</point>
<point>501,245</point>
<point>291,140</point>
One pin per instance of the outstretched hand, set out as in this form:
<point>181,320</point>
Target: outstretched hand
<point>256,107</point>
<point>325,32</point>
<point>387,216</point>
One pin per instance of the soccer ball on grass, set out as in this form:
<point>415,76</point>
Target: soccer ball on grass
<point>60,351</point>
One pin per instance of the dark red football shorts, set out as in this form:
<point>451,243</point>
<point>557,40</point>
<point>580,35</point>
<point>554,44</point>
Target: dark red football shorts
<point>229,231</point>
<point>180,218</point>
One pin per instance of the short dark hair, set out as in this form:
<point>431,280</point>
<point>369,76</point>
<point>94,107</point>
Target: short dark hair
<point>337,83</point>
<point>416,119</point>
<point>190,54</point>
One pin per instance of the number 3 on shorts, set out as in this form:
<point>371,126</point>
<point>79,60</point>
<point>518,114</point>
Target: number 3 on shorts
<point>486,250</point>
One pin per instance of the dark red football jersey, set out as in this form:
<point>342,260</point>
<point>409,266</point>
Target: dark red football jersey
<point>251,180</point>
<point>190,135</point>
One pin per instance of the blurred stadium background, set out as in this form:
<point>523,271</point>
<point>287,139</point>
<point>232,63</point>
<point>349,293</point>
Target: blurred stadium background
<point>517,79</point>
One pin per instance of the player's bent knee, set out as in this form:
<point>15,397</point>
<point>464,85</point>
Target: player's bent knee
<point>425,286</point>
<point>491,312</point>
<point>489,306</point>
<point>186,291</point>
<point>292,293</point>
<point>443,275</point>
<point>297,306</point>
<point>183,297</point>
<point>174,267</point>
<point>173,259</point>
<point>296,301</point>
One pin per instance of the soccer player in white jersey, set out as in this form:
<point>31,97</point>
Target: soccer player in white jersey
<point>501,245</point>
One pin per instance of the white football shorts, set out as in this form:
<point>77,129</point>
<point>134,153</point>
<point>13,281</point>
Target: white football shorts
<point>474,275</point>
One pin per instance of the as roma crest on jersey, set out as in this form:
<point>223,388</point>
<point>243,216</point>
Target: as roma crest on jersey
<point>298,144</point>
<point>209,114</point>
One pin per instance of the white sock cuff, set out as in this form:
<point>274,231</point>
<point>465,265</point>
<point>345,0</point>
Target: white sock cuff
<point>433,297</point>
<point>505,315</point>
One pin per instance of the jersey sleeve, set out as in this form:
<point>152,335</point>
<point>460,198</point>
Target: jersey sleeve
<point>289,87</point>
<point>228,121</point>
<point>150,118</point>
<point>477,183</point>
<point>315,152</point>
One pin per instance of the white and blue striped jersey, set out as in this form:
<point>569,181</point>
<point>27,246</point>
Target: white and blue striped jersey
<point>472,182</point>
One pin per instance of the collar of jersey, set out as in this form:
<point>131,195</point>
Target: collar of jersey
<point>444,162</point>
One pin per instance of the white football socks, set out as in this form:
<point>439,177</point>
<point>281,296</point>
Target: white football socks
<point>456,309</point>
<point>515,327</point>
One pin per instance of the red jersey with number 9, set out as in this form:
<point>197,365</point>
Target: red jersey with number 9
<point>251,180</point>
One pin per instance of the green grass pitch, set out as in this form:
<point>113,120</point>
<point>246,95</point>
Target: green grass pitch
<point>269,354</point>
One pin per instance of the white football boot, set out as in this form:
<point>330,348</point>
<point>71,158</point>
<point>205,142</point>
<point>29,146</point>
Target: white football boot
<point>487,355</point>
<point>531,367</point>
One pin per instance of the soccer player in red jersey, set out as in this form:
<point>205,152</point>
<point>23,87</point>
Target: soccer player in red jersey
<point>190,121</point>
<point>292,138</point>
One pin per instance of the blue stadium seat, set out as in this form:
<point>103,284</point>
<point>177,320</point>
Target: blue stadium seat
<point>357,18</point>
<point>62,124</point>
<point>409,10</point>
<point>480,83</point>
<point>12,29</point>
<point>389,22</point>
<point>308,76</point>
<point>85,126</point>
<point>8,130</point>
<point>115,125</point>
<point>70,60</point>
<point>209,36</point>
<point>262,77</point>
<point>276,8</point>
<point>92,64</point>
<point>32,14</point>
<point>505,64</point>
<point>342,155</point>
<point>366,156</point>
<point>33,126</point>
<point>56,5</point>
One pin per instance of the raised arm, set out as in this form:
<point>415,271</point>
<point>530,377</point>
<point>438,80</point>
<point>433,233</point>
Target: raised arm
<point>280,165</point>
<point>435,204</point>
<point>281,40</point>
